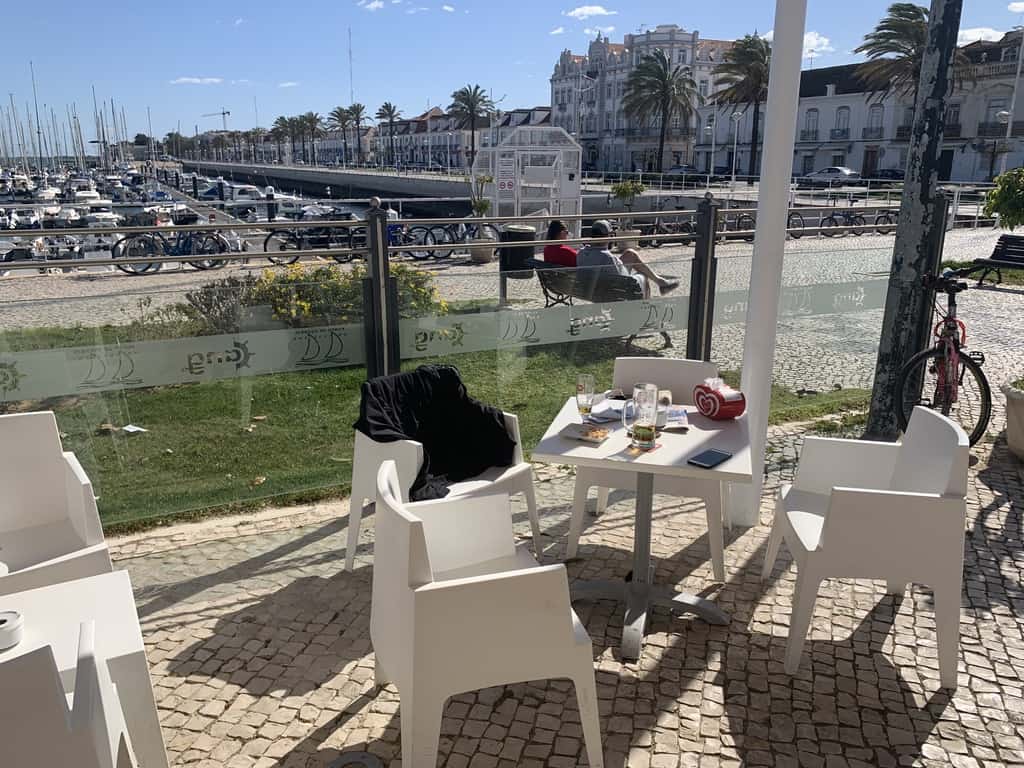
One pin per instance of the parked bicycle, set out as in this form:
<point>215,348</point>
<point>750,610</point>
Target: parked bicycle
<point>683,226</point>
<point>844,218</point>
<point>747,223</point>
<point>285,246</point>
<point>458,233</point>
<point>945,377</point>
<point>183,244</point>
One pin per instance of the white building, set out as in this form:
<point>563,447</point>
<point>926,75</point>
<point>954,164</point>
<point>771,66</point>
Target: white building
<point>841,123</point>
<point>587,94</point>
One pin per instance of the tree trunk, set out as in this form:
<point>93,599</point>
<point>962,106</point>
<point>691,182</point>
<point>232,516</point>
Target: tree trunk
<point>472,140</point>
<point>753,169</point>
<point>661,138</point>
<point>908,306</point>
<point>359,144</point>
<point>391,130</point>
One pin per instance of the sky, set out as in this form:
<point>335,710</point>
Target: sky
<point>186,60</point>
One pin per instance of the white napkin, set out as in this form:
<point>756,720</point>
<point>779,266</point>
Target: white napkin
<point>607,410</point>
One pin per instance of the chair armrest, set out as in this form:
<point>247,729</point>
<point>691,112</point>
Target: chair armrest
<point>898,523</point>
<point>81,503</point>
<point>487,616</point>
<point>512,425</point>
<point>827,462</point>
<point>462,531</point>
<point>370,454</point>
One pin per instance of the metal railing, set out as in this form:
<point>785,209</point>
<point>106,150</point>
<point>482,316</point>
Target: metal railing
<point>839,134</point>
<point>873,133</point>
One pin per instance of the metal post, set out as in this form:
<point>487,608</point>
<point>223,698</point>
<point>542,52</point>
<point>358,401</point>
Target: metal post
<point>195,185</point>
<point>1013,103</point>
<point>703,272</point>
<point>380,302</point>
<point>220,189</point>
<point>271,205</point>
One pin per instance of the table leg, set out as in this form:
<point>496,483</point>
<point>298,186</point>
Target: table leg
<point>716,541</point>
<point>135,690</point>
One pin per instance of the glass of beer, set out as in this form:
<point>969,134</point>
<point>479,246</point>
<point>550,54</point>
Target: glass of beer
<point>584,393</point>
<point>644,407</point>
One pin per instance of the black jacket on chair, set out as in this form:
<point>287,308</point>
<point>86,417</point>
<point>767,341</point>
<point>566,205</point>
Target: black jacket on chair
<point>461,436</point>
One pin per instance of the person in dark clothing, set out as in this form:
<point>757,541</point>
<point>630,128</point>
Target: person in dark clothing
<point>562,255</point>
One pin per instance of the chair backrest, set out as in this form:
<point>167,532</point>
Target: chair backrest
<point>400,564</point>
<point>96,715</point>
<point>933,456</point>
<point>680,376</point>
<point>31,471</point>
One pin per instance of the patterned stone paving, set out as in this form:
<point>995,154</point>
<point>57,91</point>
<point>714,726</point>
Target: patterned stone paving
<point>260,651</point>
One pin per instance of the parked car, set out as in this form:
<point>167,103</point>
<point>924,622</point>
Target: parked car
<point>833,176</point>
<point>890,174</point>
<point>684,171</point>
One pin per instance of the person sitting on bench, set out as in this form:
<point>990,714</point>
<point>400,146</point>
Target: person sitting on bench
<point>628,264</point>
<point>561,255</point>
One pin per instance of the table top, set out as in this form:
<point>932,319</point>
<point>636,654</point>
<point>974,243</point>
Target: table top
<point>52,616</point>
<point>669,458</point>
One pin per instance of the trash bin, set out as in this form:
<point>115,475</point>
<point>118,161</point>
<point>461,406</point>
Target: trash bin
<point>516,261</point>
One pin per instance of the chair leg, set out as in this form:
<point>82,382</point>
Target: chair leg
<point>380,677</point>
<point>716,537</point>
<point>355,517</point>
<point>579,503</point>
<point>800,619</point>
<point>421,729</point>
<point>602,501</point>
<point>947,630</point>
<point>531,510</point>
<point>771,553</point>
<point>586,698</point>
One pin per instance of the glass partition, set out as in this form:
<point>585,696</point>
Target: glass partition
<point>189,391</point>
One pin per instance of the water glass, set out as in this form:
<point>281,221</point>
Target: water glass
<point>584,393</point>
<point>644,406</point>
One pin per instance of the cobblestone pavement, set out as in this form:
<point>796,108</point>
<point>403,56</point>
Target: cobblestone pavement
<point>260,651</point>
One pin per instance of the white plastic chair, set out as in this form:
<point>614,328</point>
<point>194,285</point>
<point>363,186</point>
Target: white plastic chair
<point>458,607</point>
<point>37,726</point>
<point>680,376</point>
<point>368,455</point>
<point>893,511</point>
<point>49,525</point>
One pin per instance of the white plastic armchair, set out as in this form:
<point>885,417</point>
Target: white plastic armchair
<point>49,525</point>
<point>457,607</point>
<point>38,729</point>
<point>368,455</point>
<point>892,511</point>
<point>680,376</point>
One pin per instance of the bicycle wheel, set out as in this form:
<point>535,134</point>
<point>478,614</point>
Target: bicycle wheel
<point>970,406</point>
<point>137,247</point>
<point>282,247</point>
<point>795,223</point>
<point>858,221</point>
<point>745,223</point>
<point>828,224</point>
<point>440,235</point>
<point>488,232</point>
<point>885,223</point>
<point>416,242</point>
<point>208,244</point>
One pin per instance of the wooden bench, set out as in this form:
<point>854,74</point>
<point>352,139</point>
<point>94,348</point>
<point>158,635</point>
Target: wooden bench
<point>562,285</point>
<point>1008,254</point>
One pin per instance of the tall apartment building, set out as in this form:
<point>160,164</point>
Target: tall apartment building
<point>587,94</point>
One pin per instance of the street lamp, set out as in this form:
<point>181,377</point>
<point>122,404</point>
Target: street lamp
<point>711,129</point>
<point>1008,120</point>
<point>735,142</point>
<point>448,153</point>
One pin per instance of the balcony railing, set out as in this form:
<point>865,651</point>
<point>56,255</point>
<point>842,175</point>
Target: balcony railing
<point>981,71</point>
<point>903,132</point>
<point>998,130</point>
<point>952,130</point>
<point>873,133</point>
<point>809,134</point>
<point>839,134</point>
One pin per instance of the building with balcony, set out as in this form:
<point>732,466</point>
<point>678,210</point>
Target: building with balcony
<point>841,123</point>
<point>587,95</point>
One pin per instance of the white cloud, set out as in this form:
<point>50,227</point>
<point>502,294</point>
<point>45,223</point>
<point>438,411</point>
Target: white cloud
<point>816,43</point>
<point>417,9</point>
<point>448,8</point>
<point>584,12</point>
<point>1015,7</point>
<point>557,31</point>
<point>239,21</point>
<point>373,5</point>
<point>288,84</point>
<point>197,81</point>
<point>243,81</point>
<point>974,34</point>
<point>598,30</point>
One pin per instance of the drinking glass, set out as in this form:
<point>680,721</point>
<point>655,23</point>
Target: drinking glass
<point>584,393</point>
<point>645,414</point>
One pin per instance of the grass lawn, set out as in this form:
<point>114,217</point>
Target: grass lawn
<point>1010,276</point>
<point>241,444</point>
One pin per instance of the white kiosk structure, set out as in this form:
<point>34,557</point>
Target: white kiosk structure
<point>535,170</point>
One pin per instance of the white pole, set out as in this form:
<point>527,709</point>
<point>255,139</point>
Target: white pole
<point>714,138</point>
<point>1013,104</point>
<point>769,242</point>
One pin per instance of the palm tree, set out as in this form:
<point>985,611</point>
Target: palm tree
<point>744,72</point>
<point>657,90</point>
<point>279,131</point>
<point>389,113</point>
<point>358,113</point>
<point>469,104</point>
<point>313,125</point>
<point>340,119</point>
<point>896,48</point>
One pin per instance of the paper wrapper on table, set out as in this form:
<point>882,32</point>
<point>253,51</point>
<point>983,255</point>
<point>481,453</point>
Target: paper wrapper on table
<point>719,404</point>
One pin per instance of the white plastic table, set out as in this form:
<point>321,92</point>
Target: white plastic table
<point>674,448</point>
<point>52,617</point>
